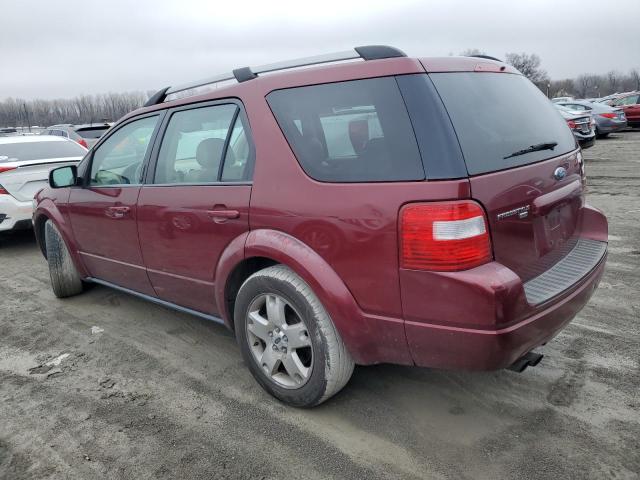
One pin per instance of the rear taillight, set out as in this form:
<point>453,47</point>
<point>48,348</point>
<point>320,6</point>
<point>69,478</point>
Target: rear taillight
<point>83,142</point>
<point>608,115</point>
<point>2,189</point>
<point>444,236</point>
<point>572,124</point>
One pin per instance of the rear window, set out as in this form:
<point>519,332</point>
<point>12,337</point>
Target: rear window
<point>496,115</point>
<point>356,131</point>
<point>91,132</point>
<point>24,151</point>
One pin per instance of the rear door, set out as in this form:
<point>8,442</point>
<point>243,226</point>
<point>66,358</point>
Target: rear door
<point>195,201</point>
<point>103,213</point>
<point>523,165</point>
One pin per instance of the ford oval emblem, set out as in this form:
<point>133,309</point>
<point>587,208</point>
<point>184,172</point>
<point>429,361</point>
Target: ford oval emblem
<point>560,173</point>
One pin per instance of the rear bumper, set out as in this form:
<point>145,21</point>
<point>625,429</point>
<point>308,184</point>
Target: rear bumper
<point>611,127</point>
<point>586,142</point>
<point>14,213</point>
<point>444,346</point>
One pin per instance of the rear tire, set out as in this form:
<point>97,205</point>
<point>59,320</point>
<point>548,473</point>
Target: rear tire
<point>65,280</point>
<point>307,368</point>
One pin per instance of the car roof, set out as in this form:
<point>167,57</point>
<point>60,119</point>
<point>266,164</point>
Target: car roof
<point>33,139</point>
<point>335,72</point>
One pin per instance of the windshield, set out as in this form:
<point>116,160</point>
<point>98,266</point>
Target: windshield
<point>496,115</point>
<point>25,151</point>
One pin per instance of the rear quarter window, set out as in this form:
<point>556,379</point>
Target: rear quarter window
<point>355,131</point>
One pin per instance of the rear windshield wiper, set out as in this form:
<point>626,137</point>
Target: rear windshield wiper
<point>534,148</point>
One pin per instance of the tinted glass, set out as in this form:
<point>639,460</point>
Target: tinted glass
<point>119,159</point>
<point>14,152</point>
<point>496,115</point>
<point>193,145</point>
<point>91,132</point>
<point>357,131</point>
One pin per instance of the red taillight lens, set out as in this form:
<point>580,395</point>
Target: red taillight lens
<point>444,236</point>
<point>2,189</point>
<point>572,124</point>
<point>608,115</point>
<point>83,142</point>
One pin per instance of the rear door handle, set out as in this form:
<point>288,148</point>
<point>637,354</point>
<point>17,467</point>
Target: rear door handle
<point>117,212</point>
<point>222,215</point>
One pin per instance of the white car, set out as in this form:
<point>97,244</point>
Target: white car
<point>25,163</point>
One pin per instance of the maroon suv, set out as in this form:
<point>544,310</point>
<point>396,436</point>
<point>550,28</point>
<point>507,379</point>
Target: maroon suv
<point>381,209</point>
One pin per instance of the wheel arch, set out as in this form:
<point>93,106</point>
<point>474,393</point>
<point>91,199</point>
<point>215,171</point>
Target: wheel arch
<point>47,210</point>
<point>265,247</point>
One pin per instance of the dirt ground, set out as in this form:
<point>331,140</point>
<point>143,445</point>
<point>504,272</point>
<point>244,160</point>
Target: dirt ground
<point>135,391</point>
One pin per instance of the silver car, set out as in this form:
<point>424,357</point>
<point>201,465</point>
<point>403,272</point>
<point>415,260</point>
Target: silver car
<point>25,162</point>
<point>608,119</point>
<point>86,135</point>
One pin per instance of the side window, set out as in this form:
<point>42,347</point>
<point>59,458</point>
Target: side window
<point>237,161</point>
<point>119,159</point>
<point>194,144</point>
<point>356,131</point>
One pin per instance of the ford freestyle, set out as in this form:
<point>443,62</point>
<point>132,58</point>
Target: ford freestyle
<point>367,208</point>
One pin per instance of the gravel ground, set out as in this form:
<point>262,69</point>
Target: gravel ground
<point>104,385</point>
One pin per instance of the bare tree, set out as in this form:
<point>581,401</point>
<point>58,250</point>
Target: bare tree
<point>612,80</point>
<point>635,77</point>
<point>81,109</point>
<point>470,52</point>
<point>585,83</point>
<point>529,66</point>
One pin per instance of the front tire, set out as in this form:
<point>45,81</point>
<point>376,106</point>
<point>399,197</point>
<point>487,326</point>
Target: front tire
<point>288,340</point>
<point>65,280</point>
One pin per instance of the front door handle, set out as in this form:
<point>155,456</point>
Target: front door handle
<point>117,212</point>
<point>222,215</point>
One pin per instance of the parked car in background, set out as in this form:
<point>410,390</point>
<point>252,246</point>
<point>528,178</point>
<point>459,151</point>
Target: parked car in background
<point>608,119</point>
<point>382,210</point>
<point>561,99</point>
<point>581,124</point>
<point>630,104</point>
<point>25,162</point>
<point>86,135</point>
<point>4,132</point>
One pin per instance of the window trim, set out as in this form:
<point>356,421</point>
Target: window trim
<point>240,114</point>
<point>86,177</point>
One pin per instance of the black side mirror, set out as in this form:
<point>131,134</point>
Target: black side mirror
<point>63,177</point>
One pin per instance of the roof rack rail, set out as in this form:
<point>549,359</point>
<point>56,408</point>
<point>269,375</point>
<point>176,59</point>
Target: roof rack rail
<point>486,57</point>
<point>368,52</point>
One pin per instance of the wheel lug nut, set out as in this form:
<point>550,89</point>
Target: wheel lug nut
<point>285,339</point>
<point>284,349</point>
<point>270,333</point>
<point>275,348</point>
<point>277,330</point>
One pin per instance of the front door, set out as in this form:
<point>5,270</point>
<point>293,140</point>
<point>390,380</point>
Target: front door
<point>195,202</point>
<point>104,214</point>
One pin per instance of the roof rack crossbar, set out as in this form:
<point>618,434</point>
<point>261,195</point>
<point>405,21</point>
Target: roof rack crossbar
<point>369,52</point>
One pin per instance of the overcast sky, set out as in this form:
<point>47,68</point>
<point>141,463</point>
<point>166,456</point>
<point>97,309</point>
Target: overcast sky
<point>52,49</point>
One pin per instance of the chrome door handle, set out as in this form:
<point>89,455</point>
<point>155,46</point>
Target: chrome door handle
<point>221,216</point>
<point>117,212</point>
